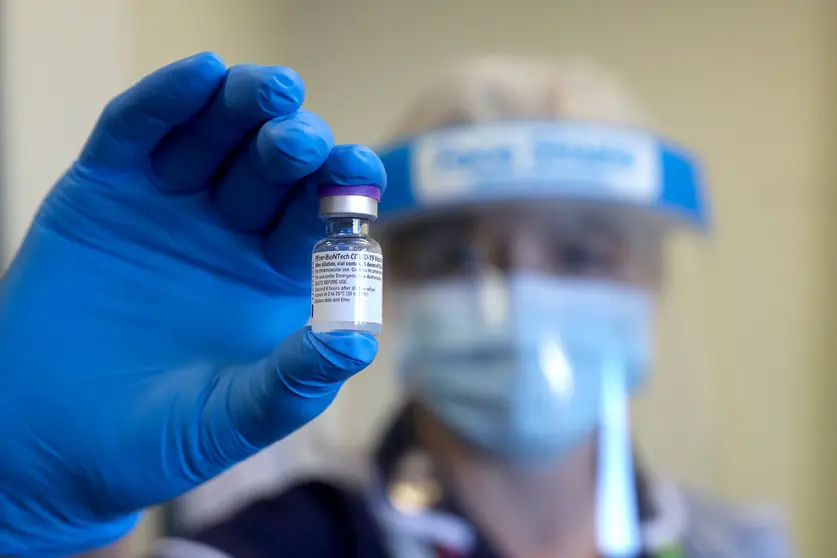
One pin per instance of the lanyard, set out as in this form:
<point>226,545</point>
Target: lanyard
<point>673,551</point>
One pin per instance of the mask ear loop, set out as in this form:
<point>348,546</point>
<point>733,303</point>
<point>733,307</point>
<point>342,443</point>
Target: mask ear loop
<point>618,532</point>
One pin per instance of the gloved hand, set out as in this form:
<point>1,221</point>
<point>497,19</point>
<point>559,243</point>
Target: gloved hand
<point>151,325</point>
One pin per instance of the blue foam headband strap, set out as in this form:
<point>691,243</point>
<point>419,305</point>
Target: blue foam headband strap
<point>542,160</point>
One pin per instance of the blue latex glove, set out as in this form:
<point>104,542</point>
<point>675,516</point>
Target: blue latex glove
<point>151,326</point>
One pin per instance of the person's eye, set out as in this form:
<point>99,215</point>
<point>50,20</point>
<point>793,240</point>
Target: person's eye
<point>577,259</point>
<point>437,258</point>
<point>453,257</point>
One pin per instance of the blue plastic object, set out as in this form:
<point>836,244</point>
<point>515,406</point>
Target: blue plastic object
<point>152,324</point>
<point>540,160</point>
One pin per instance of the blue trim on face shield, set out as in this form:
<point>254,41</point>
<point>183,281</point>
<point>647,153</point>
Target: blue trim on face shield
<point>563,161</point>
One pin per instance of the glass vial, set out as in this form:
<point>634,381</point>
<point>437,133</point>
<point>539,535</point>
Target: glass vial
<point>347,266</point>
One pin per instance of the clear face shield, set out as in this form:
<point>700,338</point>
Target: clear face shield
<point>538,301</point>
<point>522,329</point>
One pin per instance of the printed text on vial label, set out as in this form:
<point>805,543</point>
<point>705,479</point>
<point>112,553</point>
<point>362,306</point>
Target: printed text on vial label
<point>347,286</point>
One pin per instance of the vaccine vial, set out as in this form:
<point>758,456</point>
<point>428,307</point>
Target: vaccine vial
<point>347,266</point>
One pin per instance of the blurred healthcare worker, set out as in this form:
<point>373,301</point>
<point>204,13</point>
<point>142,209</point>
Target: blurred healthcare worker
<point>523,231</point>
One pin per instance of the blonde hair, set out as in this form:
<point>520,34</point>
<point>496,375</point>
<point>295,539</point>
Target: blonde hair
<point>512,87</point>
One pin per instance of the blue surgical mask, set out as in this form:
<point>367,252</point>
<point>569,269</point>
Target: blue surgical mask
<point>514,364</point>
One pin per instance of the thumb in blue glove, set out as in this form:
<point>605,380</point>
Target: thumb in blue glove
<point>151,325</point>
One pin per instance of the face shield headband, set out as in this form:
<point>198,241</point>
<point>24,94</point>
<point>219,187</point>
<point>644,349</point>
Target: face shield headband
<point>531,161</point>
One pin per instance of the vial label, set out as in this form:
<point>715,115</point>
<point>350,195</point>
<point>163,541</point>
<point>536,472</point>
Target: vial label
<point>347,287</point>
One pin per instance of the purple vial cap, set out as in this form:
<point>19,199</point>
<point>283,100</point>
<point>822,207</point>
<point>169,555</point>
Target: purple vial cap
<point>365,190</point>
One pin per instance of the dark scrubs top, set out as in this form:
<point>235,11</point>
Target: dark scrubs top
<point>322,519</point>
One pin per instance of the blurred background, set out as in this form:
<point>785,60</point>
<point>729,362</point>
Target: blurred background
<point>743,403</point>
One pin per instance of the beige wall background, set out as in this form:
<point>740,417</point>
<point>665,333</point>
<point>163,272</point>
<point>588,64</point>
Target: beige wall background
<point>746,380</point>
